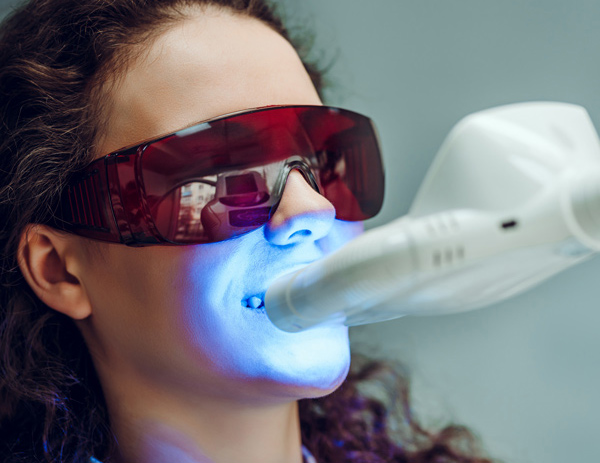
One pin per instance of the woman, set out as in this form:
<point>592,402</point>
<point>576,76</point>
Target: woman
<point>154,352</point>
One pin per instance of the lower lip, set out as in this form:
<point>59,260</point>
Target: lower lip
<point>260,309</point>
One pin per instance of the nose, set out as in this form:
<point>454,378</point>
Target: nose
<point>302,214</point>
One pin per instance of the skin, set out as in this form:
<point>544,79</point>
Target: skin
<point>188,372</point>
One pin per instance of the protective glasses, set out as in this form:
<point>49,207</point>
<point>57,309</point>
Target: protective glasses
<point>225,177</point>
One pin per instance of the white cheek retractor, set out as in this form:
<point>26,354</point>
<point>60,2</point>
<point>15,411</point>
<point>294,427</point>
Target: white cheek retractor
<point>512,198</point>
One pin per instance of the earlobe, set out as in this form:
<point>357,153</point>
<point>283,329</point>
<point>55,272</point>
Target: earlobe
<point>45,259</point>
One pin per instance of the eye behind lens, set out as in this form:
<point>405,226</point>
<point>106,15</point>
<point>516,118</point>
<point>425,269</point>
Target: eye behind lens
<point>245,200</point>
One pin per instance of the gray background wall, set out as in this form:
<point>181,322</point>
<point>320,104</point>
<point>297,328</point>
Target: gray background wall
<point>525,374</point>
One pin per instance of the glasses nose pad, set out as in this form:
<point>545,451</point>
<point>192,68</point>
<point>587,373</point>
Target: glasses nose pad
<point>294,163</point>
<point>300,215</point>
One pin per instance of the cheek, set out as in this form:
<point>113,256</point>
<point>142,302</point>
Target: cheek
<point>132,292</point>
<point>178,311</point>
<point>204,297</point>
<point>341,233</point>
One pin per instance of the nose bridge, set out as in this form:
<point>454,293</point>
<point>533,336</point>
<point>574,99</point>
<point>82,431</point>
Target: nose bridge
<point>302,213</point>
<point>297,163</point>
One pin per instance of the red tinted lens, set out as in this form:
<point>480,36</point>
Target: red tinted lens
<point>191,200</point>
<point>350,165</point>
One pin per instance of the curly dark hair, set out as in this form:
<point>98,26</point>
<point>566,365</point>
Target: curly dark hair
<point>54,56</point>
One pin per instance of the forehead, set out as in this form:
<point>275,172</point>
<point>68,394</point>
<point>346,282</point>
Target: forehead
<point>212,63</point>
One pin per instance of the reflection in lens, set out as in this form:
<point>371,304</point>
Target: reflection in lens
<point>179,213</point>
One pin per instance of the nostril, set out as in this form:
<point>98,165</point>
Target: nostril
<point>308,226</point>
<point>302,214</point>
<point>298,235</point>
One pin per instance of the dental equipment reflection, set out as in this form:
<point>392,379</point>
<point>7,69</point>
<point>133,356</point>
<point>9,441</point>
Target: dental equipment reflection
<point>511,199</point>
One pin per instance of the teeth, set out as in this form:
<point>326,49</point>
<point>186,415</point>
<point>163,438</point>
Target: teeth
<point>254,302</point>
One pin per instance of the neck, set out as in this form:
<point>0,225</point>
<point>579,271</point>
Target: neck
<point>155,422</point>
<point>162,429</point>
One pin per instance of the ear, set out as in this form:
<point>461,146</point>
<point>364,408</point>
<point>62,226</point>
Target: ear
<point>49,263</point>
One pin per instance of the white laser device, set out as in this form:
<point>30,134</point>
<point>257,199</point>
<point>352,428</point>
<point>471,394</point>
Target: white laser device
<point>512,198</point>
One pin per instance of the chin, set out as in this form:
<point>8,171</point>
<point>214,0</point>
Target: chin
<point>297,391</point>
<point>319,377</point>
<point>326,387</point>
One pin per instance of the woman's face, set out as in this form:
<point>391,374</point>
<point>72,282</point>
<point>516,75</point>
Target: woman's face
<point>177,316</point>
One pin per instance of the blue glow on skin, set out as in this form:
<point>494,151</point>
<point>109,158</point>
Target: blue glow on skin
<point>195,329</point>
<point>245,345</point>
<point>179,320</point>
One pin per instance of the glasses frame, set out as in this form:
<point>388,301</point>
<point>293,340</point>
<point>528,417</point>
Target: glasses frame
<point>97,205</point>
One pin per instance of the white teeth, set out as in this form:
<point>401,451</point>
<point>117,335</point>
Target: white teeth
<point>254,302</point>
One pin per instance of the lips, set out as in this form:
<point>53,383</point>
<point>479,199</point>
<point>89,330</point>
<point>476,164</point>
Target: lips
<point>254,302</point>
